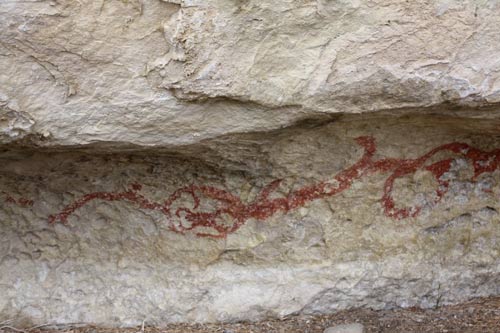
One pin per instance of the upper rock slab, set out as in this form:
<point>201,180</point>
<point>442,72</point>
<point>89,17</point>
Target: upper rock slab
<point>167,73</point>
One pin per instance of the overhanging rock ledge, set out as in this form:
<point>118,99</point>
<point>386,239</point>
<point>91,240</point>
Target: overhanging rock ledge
<point>180,161</point>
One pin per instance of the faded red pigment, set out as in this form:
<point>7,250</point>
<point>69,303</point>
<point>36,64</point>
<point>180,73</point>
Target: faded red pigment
<point>212,224</point>
<point>23,202</point>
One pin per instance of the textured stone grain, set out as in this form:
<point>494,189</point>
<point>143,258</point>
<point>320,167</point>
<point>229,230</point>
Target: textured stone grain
<point>187,160</point>
<point>169,73</point>
<point>119,262</point>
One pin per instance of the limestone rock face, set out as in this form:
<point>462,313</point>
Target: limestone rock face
<point>179,71</point>
<point>338,56</point>
<point>376,212</point>
<point>188,160</point>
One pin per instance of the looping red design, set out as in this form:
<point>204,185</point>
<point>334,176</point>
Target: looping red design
<point>230,212</point>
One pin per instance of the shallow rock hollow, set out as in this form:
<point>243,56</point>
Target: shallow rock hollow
<point>189,161</point>
<point>324,217</point>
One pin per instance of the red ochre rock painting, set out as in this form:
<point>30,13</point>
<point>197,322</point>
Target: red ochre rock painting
<point>23,202</point>
<point>214,224</point>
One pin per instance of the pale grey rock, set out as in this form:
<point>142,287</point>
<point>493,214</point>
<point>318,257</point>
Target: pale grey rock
<point>170,73</point>
<point>87,72</point>
<point>346,328</point>
<point>117,264</point>
<point>109,109</point>
<point>321,54</point>
<point>14,125</point>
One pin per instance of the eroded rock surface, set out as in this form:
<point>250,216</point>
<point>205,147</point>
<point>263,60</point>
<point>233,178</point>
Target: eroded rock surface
<point>352,213</point>
<point>176,72</point>
<point>190,160</point>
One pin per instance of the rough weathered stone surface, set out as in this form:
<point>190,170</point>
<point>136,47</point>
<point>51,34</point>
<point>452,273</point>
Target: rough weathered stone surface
<point>124,245</point>
<point>346,328</point>
<point>228,160</point>
<point>176,72</point>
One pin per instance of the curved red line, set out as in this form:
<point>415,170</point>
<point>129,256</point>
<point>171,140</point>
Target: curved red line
<point>263,207</point>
